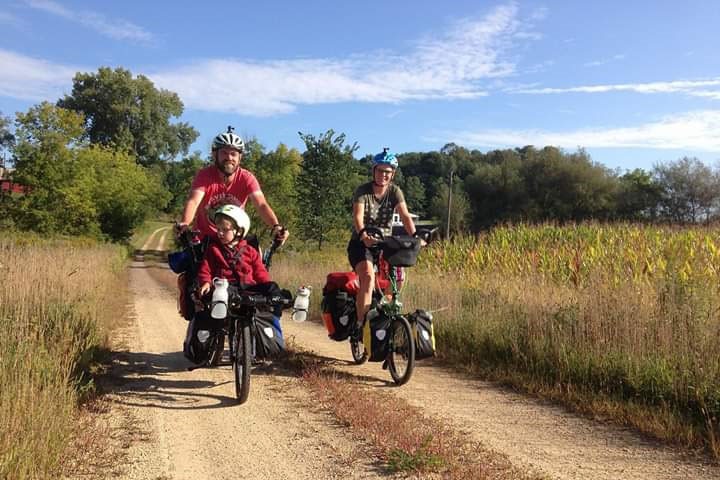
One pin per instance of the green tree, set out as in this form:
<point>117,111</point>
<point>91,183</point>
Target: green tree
<point>7,141</point>
<point>178,177</point>
<point>496,190</point>
<point>277,171</point>
<point>57,199</point>
<point>690,189</point>
<point>638,196</point>
<point>323,190</point>
<point>124,193</point>
<point>414,192</point>
<point>459,210</point>
<point>566,187</point>
<point>130,114</point>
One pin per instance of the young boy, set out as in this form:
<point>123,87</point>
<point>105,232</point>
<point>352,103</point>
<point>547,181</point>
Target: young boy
<point>228,255</point>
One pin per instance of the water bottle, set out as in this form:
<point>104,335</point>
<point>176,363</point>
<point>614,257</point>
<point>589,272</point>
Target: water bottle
<point>302,302</point>
<point>219,298</point>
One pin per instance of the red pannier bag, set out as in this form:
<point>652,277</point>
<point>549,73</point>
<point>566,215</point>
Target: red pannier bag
<point>345,281</point>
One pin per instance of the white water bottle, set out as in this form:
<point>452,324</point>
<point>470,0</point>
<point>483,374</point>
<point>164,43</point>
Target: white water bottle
<point>219,298</point>
<point>302,302</point>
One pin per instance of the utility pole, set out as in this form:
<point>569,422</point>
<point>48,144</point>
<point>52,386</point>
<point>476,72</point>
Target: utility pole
<point>447,228</point>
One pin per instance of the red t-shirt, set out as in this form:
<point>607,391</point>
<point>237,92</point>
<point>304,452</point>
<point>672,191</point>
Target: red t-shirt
<point>212,182</point>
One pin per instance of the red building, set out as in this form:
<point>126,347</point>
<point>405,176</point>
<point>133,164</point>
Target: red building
<point>7,186</point>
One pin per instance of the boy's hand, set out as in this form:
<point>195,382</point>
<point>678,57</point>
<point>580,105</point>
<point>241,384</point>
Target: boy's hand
<point>203,289</point>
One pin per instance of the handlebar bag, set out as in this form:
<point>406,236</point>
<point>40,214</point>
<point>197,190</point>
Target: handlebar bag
<point>401,251</point>
<point>269,341</point>
<point>423,333</point>
<point>180,261</point>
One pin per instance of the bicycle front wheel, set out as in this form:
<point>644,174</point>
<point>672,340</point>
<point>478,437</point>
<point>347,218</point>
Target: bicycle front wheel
<point>359,354</point>
<point>241,362</point>
<point>216,349</point>
<point>401,359</point>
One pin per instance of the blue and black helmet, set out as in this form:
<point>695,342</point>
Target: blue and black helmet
<point>385,158</point>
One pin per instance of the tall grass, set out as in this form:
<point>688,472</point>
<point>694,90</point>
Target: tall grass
<point>54,296</point>
<point>631,313</point>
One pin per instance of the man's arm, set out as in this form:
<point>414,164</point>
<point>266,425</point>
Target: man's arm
<point>191,206</point>
<point>267,214</point>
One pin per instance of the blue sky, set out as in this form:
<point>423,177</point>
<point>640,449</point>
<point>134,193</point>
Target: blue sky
<point>632,82</point>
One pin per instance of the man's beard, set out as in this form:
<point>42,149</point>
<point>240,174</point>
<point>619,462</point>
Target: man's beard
<point>228,168</point>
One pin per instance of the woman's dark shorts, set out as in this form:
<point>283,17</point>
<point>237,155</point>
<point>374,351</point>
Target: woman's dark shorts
<point>357,252</point>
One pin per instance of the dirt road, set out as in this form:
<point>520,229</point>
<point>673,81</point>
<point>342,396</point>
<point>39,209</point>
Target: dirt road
<point>196,430</point>
<point>194,425</point>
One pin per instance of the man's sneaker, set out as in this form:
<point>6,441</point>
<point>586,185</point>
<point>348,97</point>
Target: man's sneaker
<point>385,364</point>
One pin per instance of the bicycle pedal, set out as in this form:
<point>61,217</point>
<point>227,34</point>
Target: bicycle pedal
<point>385,365</point>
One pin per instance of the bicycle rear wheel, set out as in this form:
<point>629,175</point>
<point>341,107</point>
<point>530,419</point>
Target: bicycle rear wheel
<point>401,359</point>
<point>241,362</point>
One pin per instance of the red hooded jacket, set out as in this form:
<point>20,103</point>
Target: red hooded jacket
<point>240,264</point>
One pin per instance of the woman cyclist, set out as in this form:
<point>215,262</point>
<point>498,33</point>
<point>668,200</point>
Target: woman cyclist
<point>373,206</point>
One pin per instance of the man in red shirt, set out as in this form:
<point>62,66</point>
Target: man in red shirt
<point>226,183</point>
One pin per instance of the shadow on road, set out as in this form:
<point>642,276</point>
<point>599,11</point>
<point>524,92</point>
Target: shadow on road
<point>150,380</point>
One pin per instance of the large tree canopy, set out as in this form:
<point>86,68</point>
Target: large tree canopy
<point>130,114</point>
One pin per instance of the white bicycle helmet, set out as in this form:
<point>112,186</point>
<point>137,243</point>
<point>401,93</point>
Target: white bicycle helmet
<point>236,214</point>
<point>228,139</point>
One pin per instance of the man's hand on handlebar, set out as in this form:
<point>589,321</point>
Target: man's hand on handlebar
<point>279,233</point>
<point>180,228</point>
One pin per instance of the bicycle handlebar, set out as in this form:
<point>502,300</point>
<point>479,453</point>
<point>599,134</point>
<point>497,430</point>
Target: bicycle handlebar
<point>258,300</point>
<point>377,234</point>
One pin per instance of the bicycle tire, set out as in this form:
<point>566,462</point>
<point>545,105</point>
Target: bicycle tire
<point>357,348</point>
<point>401,359</point>
<point>242,362</point>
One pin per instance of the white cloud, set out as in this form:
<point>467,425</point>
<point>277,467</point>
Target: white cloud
<point>113,28</point>
<point>456,65</point>
<point>32,79</point>
<point>698,130</point>
<point>450,67</point>
<point>689,87</point>
<point>605,61</point>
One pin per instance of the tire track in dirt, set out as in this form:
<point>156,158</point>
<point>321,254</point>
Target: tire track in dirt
<point>534,435</point>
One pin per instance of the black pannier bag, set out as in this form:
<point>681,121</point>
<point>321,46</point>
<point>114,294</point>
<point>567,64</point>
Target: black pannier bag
<point>338,309</point>
<point>195,349</point>
<point>401,251</point>
<point>422,330</point>
<point>269,341</point>
<point>376,337</point>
